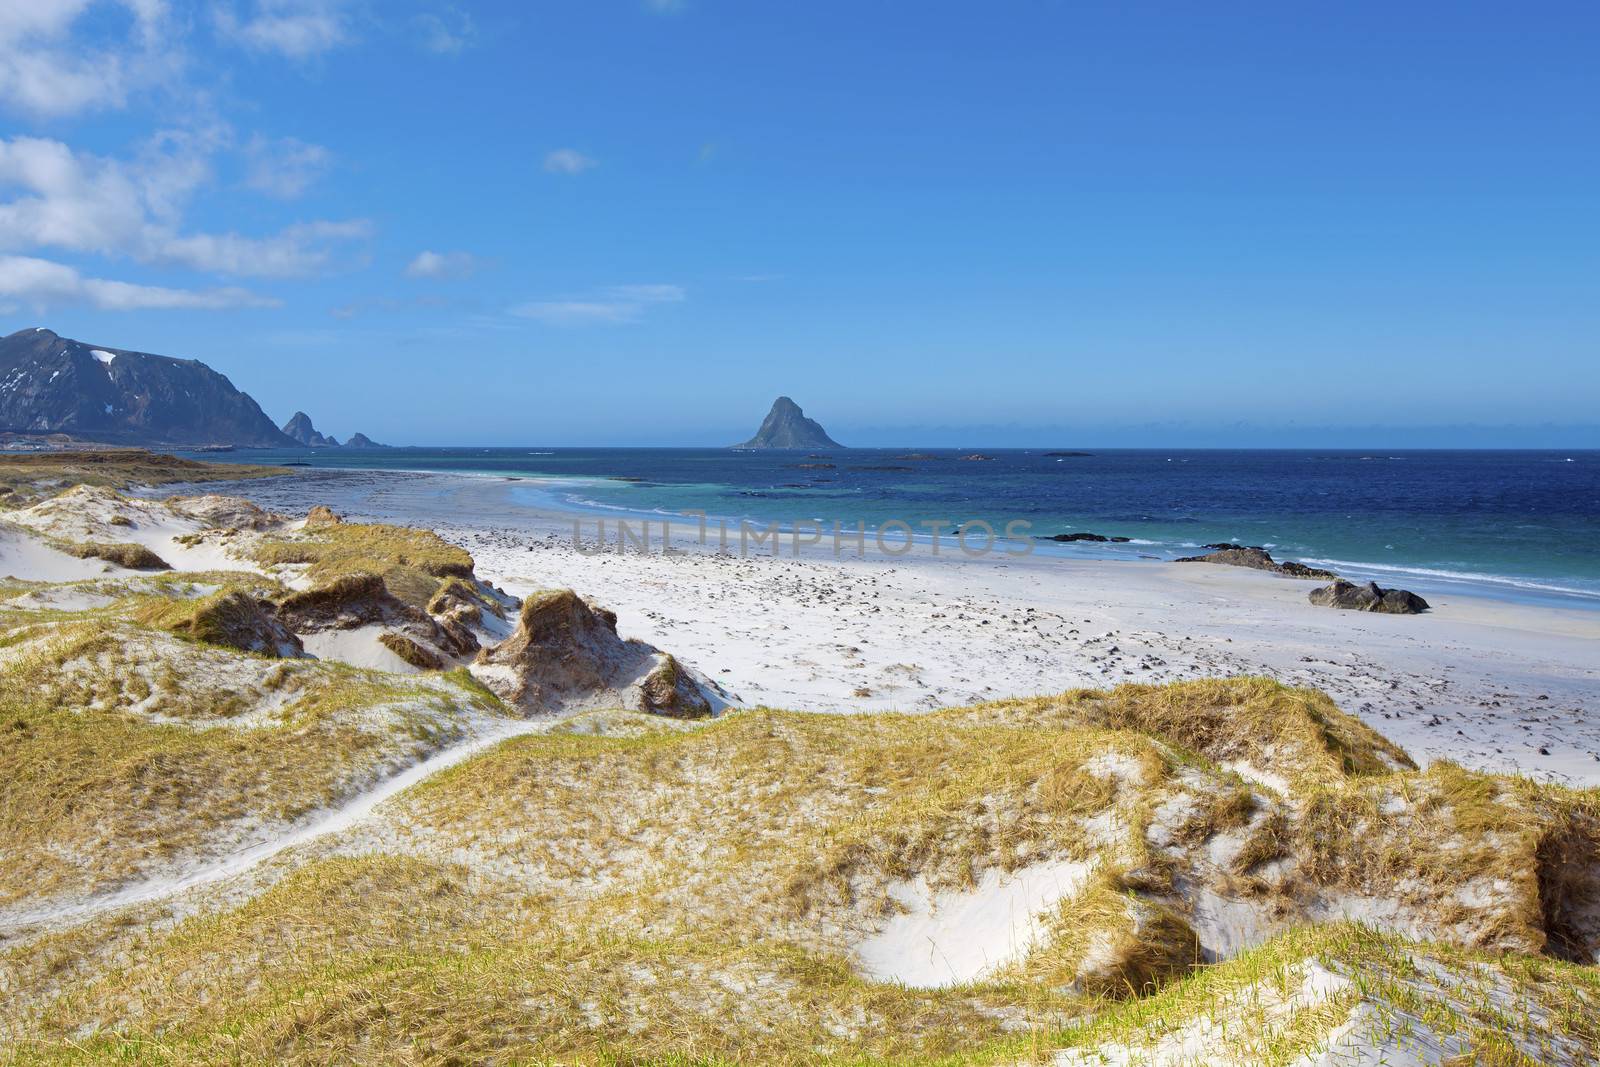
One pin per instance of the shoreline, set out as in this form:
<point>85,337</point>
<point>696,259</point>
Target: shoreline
<point>1492,684</point>
<point>1430,578</point>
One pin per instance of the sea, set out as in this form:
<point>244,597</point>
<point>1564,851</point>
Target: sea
<point>1521,525</point>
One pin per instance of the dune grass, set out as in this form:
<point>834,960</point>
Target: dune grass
<point>32,475</point>
<point>123,554</point>
<point>624,889</point>
<point>414,564</point>
<point>124,748</point>
<point>398,960</point>
<point>1495,1009</point>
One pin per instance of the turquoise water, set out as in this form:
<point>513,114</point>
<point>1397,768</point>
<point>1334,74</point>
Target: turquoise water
<point>1521,524</point>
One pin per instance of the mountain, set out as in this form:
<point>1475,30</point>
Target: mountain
<point>786,426</point>
<point>361,440</point>
<point>52,384</point>
<point>299,427</point>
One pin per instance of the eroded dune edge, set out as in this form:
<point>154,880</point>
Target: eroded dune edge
<point>296,789</point>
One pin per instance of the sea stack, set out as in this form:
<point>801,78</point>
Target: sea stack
<point>786,426</point>
<point>300,428</point>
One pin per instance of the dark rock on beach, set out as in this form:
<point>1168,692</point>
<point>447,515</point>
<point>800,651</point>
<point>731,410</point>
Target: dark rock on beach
<point>1368,597</point>
<point>1299,570</point>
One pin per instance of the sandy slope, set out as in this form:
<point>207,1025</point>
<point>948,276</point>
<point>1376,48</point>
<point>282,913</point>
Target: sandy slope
<point>1493,685</point>
<point>327,823</point>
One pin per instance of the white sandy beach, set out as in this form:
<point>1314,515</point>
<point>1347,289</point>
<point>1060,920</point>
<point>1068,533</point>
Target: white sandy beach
<point>1489,684</point>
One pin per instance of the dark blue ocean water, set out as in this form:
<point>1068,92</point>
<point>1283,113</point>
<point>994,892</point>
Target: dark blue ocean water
<point>1522,524</point>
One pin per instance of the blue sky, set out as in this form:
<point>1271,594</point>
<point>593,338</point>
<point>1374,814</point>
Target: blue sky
<point>634,222</point>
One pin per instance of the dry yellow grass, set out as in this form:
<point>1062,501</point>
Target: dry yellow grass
<point>414,564</point>
<point>34,474</point>
<point>392,960</point>
<point>125,748</point>
<point>1496,1009</point>
<point>123,554</point>
<point>1420,836</point>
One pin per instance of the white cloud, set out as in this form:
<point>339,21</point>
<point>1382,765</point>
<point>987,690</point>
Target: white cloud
<point>298,29</point>
<point>441,265</point>
<point>301,249</point>
<point>619,303</point>
<point>575,312</point>
<point>284,167</point>
<point>648,294</point>
<point>43,283</point>
<point>44,72</point>
<point>447,32</point>
<point>568,161</point>
<point>82,203</point>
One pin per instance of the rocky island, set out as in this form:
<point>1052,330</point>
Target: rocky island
<point>302,430</point>
<point>786,426</point>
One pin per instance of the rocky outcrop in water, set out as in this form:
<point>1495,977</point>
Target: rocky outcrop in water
<point>301,429</point>
<point>51,384</point>
<point>1258,559</point>
<point>786,426</point>
<point>1082,536</point>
